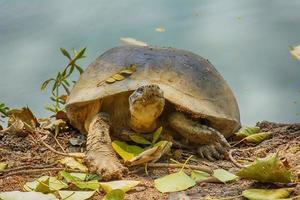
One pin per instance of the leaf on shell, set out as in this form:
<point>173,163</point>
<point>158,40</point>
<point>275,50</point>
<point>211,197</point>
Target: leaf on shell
<point>74,163</point>
<point>125,150</point>
<point>267,194</point>
<point>17,195</point>
<point>118,77</point>
<point>116,194</point>
<point>174,182</point>
<point>246,131</point>
<point>258,137</point>
<point>76,195</point>
<point>110,80</point>
<point>223,175</point>
<point>269,169</point>
<point>124,185</point>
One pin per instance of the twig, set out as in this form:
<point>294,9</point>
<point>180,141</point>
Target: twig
<point>31,171</point>
<point>60,153</point>
<point>64,151</point>
<point>26,167</point>
<point>233,160</point>
<point>167,165</point>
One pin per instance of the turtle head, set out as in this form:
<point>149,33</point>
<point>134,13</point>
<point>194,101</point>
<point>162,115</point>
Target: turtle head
<point>146,104</point>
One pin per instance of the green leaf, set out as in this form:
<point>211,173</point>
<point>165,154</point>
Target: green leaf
<point>174,182</point>
<point>76,195</point>
<point>267,194</point>
<point>45,84</point>
<point>246,131</point>
<point>139,139</point>
<point>223,175</point>
<point>65,53</point>
<point>17,195</point>
<point>80,54</point>
<point>79,69</point>
<point>74,163</point>
<point>115,195</point>
<point>199,175</point>
<point>269,169</point>
<point>258,137</point>
<point>124,185</point>
<point>90,185</point>
<point>125,150</point>
<point>156,135</point>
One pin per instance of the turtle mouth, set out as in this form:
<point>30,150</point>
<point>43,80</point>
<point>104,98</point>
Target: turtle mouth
<point>146,95</point>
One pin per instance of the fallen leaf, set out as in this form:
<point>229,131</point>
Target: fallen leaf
<point>3,166</point>
<point>17,195</point>
<point>45,184</point>
<point>258,137</point>
<point>56,123</point>
<point>223,175</point>
<point>269,169</point>
<point>79,183</point>
<point>174,182</point>
<point>132,41</point>
<point>160,29</point>
<point>74,163</point>
<point>199,175</point>
<point>267,194</point>
<point>153,154</point>
<point>115,195</point>
<point>26,116</point>
<point>125,150</point>
<point>76,195</point>
<point>295,52</point>
<point>139,139</point>
<point>124,185</point>
<point>246,131</point>
<point>110,80</point>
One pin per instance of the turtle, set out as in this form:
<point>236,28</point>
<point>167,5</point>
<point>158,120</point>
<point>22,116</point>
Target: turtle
<point>170,87</point>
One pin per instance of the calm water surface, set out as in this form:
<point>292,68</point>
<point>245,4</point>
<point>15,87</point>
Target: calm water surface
<point>246,40</point>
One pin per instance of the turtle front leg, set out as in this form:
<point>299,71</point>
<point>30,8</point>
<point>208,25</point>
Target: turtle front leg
<point>101,157</point>
<point>213,143</point>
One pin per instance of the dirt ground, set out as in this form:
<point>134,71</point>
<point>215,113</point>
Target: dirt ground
<point>28,159</point>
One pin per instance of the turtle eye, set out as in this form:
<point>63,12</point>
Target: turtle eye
<point>140,89</point>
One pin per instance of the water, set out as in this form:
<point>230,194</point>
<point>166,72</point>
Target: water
<point>247,41</point>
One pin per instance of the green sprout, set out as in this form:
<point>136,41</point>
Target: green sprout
<point>3,111</point>
<point>61,82</point>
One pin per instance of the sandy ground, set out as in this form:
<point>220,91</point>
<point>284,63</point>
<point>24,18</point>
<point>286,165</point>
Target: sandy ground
<point>26,157</point>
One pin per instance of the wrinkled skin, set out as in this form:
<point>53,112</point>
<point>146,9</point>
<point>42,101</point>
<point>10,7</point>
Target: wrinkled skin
<point>140,112</point>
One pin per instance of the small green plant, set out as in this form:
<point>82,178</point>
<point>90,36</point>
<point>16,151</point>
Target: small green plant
<point>61,82</point>
<point>3,111</point>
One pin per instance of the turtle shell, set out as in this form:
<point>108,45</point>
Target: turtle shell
<point>188,81</point>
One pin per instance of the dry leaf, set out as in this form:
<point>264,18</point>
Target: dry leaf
<point>295,51</point>
<point>160,29</point>
<point>132,41</point>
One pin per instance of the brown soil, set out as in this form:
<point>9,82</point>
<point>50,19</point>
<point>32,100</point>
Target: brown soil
<point>26,156</point>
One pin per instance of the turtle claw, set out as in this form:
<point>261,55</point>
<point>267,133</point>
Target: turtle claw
<point>212,152</point>
<point>108,167</point>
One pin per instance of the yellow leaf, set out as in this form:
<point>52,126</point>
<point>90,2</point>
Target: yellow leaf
<point>118,77</point>
<point>74,164</point>
<point>125,150</point>
<point>267,194</point>
<point>258,137</point>
<point>110,80</point>
<point>124,185</point>
<point>295,52</point>
<point>132,41</point>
